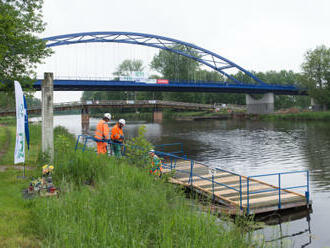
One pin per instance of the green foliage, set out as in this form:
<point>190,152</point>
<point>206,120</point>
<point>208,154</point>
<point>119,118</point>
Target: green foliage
<point>20,49</point>
<point>129,66</point>
<point>124,207</point>
<point>15,212</point>
<point>137,149</point>
<point>124,69</point>
<point>79,169</point>
<point>31,156</point>
<point>317,116</point>
<point>174,66</point>
<point>316,76</point>
<point>128,208</point>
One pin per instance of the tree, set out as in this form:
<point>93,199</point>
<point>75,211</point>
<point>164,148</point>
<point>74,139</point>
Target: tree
<point>128,66</point>
<point>316,74</point>
<point>20,49</point>
<point>174,66</point>
<point>124,69</point>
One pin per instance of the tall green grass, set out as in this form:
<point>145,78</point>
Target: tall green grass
<point>3,137</point>
<point>128,208</point>
<point>106,202</point>
<point>15,212</point>
<point>31,156</point>
<point>124,207</point>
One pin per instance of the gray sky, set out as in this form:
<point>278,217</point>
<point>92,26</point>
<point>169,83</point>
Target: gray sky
<point>258,35</point>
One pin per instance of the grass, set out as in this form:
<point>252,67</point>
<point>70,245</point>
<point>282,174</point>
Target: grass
<point>8,120</point>
<point>35,145</point>
<point>176,114</point>
<point>105,202</point>
<point>15,212</point>
<point>126,207</point>
<point>318,116</point>
<point>3,136</point>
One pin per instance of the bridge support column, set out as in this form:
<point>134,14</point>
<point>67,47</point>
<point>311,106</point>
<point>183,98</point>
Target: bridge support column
<point>316,106</point>
<point>47,132</point>
<point>84,120</point>
<point>265,105</point>
<point>157,116</point>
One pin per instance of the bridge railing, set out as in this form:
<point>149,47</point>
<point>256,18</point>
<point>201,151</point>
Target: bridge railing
<point>86,103</point>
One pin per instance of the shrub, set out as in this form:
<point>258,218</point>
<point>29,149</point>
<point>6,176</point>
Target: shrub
<point>137,149</point>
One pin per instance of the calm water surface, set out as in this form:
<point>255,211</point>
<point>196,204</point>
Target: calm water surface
<point>250,148</point>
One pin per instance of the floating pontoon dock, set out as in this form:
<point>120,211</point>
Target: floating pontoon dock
<point>238,194</point>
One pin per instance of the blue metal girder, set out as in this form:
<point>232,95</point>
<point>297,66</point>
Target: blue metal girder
<point>173,86</point>
<point>204,56</point>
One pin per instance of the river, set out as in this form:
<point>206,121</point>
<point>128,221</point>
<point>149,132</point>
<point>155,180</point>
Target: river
<point>250,148</point>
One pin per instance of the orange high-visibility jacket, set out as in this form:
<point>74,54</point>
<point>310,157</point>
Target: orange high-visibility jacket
<point>116,132</point>
<point>102,130</point>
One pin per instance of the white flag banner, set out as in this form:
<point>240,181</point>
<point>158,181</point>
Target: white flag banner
<point>20,129</point>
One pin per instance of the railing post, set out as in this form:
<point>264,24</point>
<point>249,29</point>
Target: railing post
<point>240,192</point>
<point>171,162</point>
<point>213,185</point>
<point>86,138</point>
<point>247,196</point>
<point>76,147</point>
<point>307,192</point>
<point>279,190</point>
<point>191,172</point>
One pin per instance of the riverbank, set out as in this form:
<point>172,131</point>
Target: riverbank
<point>121,205</point>
<point>170,115</point>
<point>304,116</point>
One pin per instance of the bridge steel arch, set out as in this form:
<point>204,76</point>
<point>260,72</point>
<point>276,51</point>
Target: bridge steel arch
<point>204,56</point>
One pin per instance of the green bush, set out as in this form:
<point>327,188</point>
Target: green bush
<point>137,149</point>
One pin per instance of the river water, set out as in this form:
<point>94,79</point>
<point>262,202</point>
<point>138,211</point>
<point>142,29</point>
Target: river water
<point>251,148</point>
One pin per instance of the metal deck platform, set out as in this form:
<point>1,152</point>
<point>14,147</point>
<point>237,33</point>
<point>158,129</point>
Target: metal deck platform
<point>238,194</point>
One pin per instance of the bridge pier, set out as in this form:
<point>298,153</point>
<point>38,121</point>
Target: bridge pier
<point>265,105</point>
<point>157,116</point>
<point>84,120</point>
<point>47,131</point>
<point>316,106</point>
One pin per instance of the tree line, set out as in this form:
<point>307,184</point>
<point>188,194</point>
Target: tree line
<point>21,51</point>
<point>175,67</point>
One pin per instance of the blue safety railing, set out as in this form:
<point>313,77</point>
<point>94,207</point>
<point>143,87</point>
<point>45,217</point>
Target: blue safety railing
<point>172,165</point>
<point>279,187</point>
<point>87,138</point>
<point>173,157</point>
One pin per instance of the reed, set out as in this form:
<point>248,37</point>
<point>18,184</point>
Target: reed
<point>125,207</point>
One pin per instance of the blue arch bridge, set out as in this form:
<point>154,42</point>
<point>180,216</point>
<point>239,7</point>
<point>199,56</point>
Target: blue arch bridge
<point>205,57</point>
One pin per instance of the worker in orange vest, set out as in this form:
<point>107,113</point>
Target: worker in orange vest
<point>117,137</point>
<point>102,134</point>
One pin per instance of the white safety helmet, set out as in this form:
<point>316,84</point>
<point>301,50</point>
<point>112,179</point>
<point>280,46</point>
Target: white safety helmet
<point>152,151</point>
<point>108,116</point>
<point>122,121</point>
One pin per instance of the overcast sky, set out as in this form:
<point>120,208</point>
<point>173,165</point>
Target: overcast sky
<point>259,35</point>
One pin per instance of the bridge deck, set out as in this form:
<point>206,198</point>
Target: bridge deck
<point>172,86</point>
<point>239,194</point>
